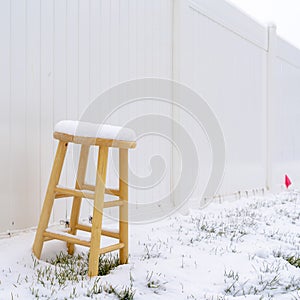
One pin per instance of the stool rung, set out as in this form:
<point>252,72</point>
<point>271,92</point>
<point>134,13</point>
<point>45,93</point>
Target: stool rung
<point>65,192</point>
<point>69,238</point>
<point>113,203</point>
<point>103,232</point>
<point>111,248</point>
<point>90,187</point>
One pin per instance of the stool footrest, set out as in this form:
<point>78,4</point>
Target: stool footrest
<point>62,192</point>
<point>111,248</point>
<point>88,228</point>
<point>108,191</point>
<point>108,204</point>
<point>69,238</point>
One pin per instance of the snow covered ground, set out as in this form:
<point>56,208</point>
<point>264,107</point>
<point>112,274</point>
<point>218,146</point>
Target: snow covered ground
<point>225,251</point>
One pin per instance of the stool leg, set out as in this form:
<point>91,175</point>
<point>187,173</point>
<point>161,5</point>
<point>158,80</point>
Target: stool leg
<point>49,198</point>
<point>98,210</point>
<point>80,178</point>
<point>123,210</point>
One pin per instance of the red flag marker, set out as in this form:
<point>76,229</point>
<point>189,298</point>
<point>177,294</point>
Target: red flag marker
<point>287,181</point>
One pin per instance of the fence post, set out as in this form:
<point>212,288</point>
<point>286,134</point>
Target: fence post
<point>270,97</point>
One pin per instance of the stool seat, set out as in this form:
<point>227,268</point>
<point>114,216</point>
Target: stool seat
<point>94,134</point>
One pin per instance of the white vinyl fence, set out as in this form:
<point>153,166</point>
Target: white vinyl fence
<point>56,56</point>
<point>285,115</point>
<point>250,78</point>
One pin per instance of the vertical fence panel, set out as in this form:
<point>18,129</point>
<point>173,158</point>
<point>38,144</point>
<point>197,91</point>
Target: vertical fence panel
<point>285,144</point>
<point>18,134</point>
<point>71,20</point>
<point>5,107</point>
<point>60,86</point>
<point>84,55</point>
<point>47,93</point>
<point>84,75</point>
<point>271,89</point>
<point>114,36</point>
<point>226,67</point>
<point>33,93</point>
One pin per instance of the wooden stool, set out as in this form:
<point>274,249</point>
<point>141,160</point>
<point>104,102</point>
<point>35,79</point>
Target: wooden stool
<point>103,136</point>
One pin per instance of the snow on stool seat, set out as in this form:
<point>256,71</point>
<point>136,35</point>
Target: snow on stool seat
<point>94,134</point>
<point>103,136</point>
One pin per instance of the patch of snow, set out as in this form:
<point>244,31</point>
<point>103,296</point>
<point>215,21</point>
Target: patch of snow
<point>226,251</point>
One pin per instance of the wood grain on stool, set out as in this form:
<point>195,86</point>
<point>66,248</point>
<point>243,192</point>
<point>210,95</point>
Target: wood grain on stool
<point>123,210</point>
<point>49,198</point>
<point>98,211</point>
<point>81,172</point>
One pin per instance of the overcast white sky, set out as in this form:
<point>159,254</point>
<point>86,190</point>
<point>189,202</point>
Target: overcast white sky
<point>284,13</point>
